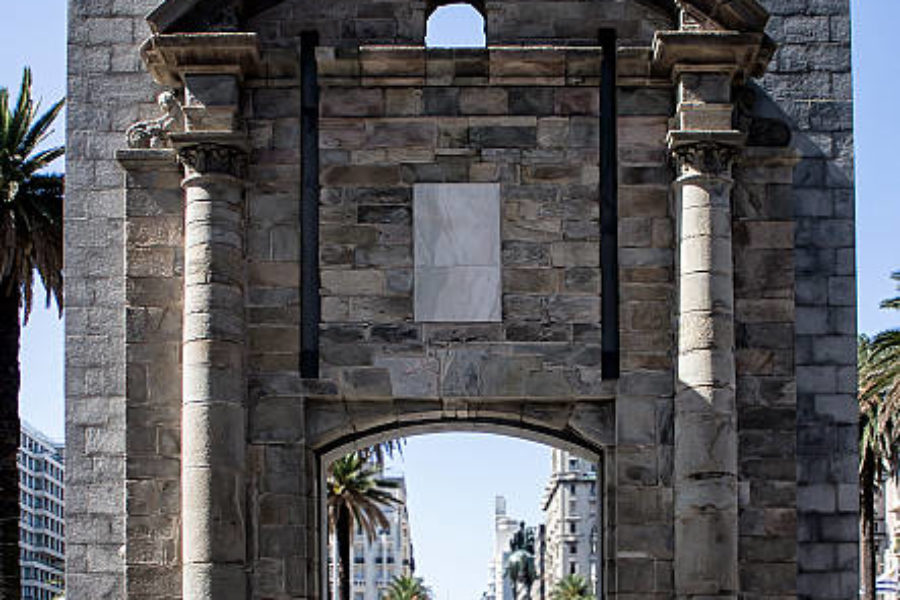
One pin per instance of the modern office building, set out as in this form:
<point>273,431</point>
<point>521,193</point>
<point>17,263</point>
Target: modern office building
<point>41,526</point>
<point>375,562</point>
<point>505,527</point>
<point>571,521</point>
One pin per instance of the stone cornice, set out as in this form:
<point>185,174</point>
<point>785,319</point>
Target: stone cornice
<point>170,56</point>
<point>745,54</point>
<point>200,15</point>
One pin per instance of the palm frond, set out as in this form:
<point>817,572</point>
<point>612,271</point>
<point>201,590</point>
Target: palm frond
<point>40,129</point>
<point>30,202</point>
<point>572,587</point>
<point>879,403</point>
<point>42,160</point>
<point>4,118</point>
<point>354,484</point>
<point>22,114</point>
<point>893,303</point>
<point>405,587</point>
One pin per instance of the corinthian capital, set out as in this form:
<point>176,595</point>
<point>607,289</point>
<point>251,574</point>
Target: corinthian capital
<point>705,158</point>
<point>213,159</point>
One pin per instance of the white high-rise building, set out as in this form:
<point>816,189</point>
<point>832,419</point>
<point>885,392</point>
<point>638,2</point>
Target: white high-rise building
<point>375,562</point>
<point>570,505</point>
<point>499,587</point>
<point>42,530</point>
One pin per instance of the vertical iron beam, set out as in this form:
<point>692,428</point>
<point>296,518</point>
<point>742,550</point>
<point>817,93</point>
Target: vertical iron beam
<point>609,209</point>
<point>310,300</point>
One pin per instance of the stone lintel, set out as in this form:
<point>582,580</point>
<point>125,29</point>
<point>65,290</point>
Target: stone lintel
<point>169,57</point>
<point>682,138</point>
<point>146,159</point>
<point>744,54</point>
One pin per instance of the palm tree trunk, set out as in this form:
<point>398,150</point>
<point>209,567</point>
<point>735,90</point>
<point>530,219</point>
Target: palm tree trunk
<point>344,535</point>
<point>10,583</point>
<point>867,535</point>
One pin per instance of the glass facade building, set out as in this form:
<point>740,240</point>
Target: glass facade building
<point>41,506</point>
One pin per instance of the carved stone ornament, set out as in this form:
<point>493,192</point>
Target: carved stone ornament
<point>214,159</point>
<point>706,158</point>
<point>154,133</point>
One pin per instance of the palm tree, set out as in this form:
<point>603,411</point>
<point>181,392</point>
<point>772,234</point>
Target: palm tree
<point>355,497</point>
<point>572,587</point>
<point>30,240</point>
<point>879,427</point>
<point>406,587</point>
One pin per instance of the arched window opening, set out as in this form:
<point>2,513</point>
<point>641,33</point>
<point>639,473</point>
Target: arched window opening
<point>458,25</point>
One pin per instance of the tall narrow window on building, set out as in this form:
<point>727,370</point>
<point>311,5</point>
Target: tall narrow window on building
<point>458,25</point>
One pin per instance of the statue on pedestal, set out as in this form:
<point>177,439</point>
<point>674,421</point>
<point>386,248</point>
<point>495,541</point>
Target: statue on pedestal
<point>520,569</point>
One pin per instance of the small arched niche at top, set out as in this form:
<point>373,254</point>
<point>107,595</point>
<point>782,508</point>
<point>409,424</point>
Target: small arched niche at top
<point>456,25</point>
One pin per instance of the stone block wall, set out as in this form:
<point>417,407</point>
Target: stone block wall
<point>430,117</point>
<point>766,386</point>
<point>809,84</point>
<point>643,497</point>
<point>108,90</point>
<point>350,23</point>
<point>154,264</point>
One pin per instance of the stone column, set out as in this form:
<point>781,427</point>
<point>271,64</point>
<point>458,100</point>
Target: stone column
<point>704,65</point>
<point>706,520</point>
<point>213,463</point>
<point>209,68</point>
<point>706,442</point>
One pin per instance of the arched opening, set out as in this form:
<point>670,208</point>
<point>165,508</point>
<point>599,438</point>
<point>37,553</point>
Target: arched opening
<point>465,493</point>
<point>456,25</point>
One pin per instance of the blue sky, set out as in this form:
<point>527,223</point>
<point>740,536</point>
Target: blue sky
<point>452,537</point>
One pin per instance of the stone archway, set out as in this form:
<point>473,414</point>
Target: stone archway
<point>601,538</point>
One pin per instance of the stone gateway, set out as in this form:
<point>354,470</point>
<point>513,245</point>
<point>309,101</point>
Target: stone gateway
<point>623,228</point>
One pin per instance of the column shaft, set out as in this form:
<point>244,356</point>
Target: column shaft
<point>213,412</point>
<point>706,462</point>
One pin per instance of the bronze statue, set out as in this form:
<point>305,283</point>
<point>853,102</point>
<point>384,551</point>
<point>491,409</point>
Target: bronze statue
<point>520,567</point>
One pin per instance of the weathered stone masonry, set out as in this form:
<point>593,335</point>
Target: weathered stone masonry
<point>728,440</point>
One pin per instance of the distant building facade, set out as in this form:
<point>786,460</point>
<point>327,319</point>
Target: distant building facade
<point>505,527</point>
<point>42,529</point>
<point>376,562</point>
<point>570,507</point>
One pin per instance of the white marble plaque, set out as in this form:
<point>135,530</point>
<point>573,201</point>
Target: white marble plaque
<point>456,229</point>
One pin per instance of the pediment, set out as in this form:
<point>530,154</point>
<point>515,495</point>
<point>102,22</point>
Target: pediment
<point>198,16</point>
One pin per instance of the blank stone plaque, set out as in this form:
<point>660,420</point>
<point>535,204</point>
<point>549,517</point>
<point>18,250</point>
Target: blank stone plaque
<point>456,228</point>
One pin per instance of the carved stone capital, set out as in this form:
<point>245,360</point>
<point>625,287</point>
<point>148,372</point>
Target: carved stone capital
<point>213,159</point>
<point>705,158</point>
